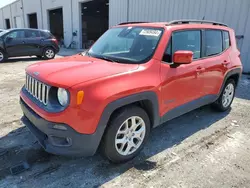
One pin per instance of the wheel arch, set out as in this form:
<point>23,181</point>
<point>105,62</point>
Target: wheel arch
<point>234,74</point>
<point>147,100</point>
<point>48,46</point>
<point>4,53</point>
<point>3,50</point>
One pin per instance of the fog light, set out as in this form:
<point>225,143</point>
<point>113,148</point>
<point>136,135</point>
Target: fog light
<point>60,127</point>
<point>58,141</point>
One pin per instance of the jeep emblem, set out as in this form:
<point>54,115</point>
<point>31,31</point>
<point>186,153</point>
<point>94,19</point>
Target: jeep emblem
<point>36,73</point>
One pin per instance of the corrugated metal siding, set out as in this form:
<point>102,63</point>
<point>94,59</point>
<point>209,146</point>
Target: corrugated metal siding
<point>118,11</point>
<point>235,13</point>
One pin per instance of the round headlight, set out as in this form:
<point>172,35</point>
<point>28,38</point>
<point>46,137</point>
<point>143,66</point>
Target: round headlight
<point>63,96</point>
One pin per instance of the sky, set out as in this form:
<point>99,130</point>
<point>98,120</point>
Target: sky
<point>5,2</point>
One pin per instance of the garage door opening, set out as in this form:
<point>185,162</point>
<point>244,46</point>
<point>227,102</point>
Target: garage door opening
<point>95,20</point>
<point>56,23</point>
<point>7,23</point>
<point>33,21</point>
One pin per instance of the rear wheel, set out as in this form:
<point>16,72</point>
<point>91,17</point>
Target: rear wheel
<point>2,56</point>
<point>49,53</point>
<point>127,133</point>
<point>226,98</point>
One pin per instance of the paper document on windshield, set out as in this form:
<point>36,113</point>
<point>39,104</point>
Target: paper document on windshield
<point>150,32</point>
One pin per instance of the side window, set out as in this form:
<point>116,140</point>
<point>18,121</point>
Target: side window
<point>189,40</point>
<point>213,42</point>
<point>32,34</point>
<point>168,52</point>
<point>46,34</point>
<point>226,40</point>
<point>15,35</point>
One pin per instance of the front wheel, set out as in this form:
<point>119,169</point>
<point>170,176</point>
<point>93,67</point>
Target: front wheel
<point>49,53</point>
<point>127,133</point>
<point>226,98</point>
<point>2,56</point>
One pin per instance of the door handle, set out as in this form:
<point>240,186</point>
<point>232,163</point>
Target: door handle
<point>200,69</point>
<point>225,62</point>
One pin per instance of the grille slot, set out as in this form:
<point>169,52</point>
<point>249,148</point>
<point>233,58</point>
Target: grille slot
<point>37,89</point>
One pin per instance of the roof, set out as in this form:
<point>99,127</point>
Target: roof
<point>179,23</point>
<point>17,29</point>
<point>9,4</point>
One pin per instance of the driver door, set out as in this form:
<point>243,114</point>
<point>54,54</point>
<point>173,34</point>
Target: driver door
<point>181,85</point>
<point>15,43</point>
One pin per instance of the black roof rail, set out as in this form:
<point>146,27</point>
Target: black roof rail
<point>176,22</point>
<point>124,23</point>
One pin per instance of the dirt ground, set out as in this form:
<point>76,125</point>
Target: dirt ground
<point>200,149</point>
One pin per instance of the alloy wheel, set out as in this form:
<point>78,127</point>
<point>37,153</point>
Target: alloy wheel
<point>130,135</point>
<point>1,56</point>
<point>228,95</point>
<point>49,53</point>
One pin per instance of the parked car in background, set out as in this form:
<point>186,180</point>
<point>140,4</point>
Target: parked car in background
<point>27,42</point>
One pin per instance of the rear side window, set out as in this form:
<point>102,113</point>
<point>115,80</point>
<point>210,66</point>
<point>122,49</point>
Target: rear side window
<point>226,40</point>
<point>213,42</point>
<point>46,34</point>
<point>32,34</point>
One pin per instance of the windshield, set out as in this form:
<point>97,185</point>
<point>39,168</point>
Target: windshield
<point>127,44</point>
<point>3,32</point>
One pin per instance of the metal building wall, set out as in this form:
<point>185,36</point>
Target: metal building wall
<point>235,13</point>
<point>118,11</point>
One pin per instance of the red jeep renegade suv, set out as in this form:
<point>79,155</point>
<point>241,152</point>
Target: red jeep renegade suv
<point>134,78</point>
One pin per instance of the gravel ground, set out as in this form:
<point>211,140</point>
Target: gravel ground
<point>200,149</point>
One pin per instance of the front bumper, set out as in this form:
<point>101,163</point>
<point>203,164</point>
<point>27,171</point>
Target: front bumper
<point>60,142</point>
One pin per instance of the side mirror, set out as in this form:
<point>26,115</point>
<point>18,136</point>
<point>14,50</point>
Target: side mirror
<point>183,57</point>
<point>8,39</point>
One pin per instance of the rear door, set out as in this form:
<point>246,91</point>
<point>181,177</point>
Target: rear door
<point>215,60</point>
<point>14,43</point>
<point>33,42</point>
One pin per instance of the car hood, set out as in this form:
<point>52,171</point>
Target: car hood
<point>69,71</point>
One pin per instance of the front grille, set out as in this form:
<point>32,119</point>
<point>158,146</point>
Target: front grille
<point>37,89</point>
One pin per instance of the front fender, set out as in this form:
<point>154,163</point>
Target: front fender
<point>111,107</point>
<point>149,96</point>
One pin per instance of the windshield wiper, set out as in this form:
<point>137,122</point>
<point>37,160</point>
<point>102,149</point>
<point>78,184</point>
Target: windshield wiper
<point>106,58</point>
<point>84,53</point>
<point>100,57</point>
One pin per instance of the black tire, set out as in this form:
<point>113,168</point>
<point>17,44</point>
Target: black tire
<point>218,105</point>
<point>46,54</point>
<point>108,146</point>
<point>3,56</point>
